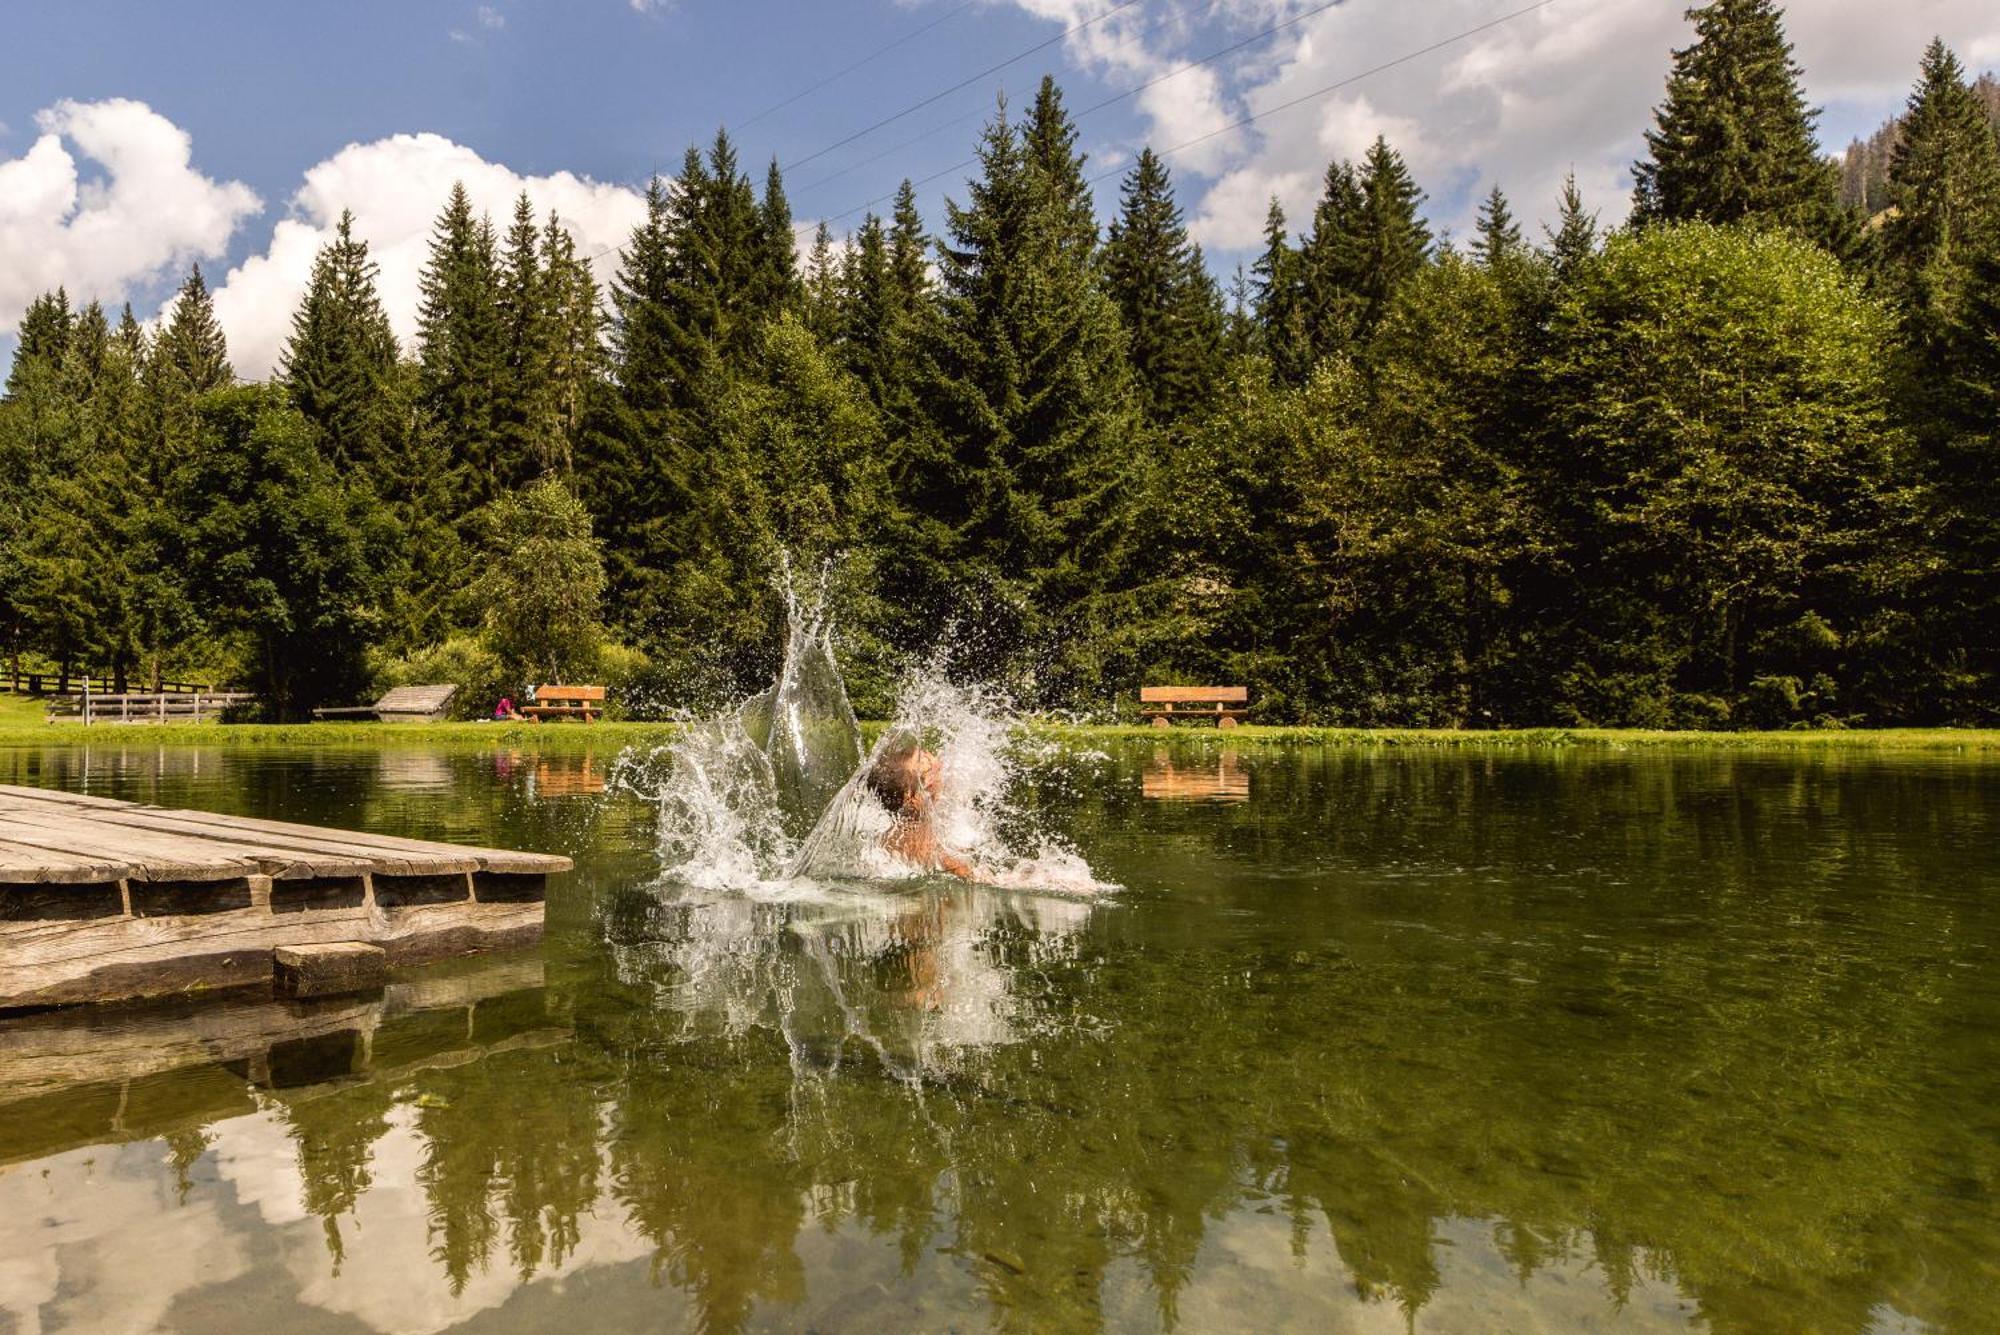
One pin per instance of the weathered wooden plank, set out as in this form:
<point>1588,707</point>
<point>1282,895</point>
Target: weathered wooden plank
<point>121,956</point>
<point>152,855</point>
<point>16,793</point>
<point>421,852</point>
<point>24,864</point>
<point>280,855</point>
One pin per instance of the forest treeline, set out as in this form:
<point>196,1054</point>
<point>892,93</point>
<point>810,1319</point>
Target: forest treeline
<point>1735,463</point>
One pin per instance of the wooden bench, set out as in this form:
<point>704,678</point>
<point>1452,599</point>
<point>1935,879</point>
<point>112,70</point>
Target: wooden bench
<point>582,703</point>
<point>1166,705</point>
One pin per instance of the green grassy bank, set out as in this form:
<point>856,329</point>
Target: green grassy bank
<point>21,724</point>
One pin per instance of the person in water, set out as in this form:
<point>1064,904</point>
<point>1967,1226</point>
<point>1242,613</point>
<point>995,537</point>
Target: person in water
<point>905,780</point>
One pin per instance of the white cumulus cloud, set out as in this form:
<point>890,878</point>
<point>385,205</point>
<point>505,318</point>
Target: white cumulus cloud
<point>105,201</point>
<point>1571,86</point>
<point>396,187</point>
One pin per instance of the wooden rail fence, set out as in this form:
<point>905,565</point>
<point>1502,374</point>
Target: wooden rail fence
<point>55,683</point>
<point>147,707</point>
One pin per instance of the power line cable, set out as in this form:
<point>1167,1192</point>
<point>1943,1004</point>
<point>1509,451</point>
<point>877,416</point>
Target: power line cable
<point>1208,59</point>
<point>873,56</point>
<point>1303,98</point>
<point>938,96</point>
<point>1339,84</point>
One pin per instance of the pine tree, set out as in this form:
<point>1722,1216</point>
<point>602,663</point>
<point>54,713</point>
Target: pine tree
<point>576,366</point>
<point>1944,188</point>
<point>1171,307</point>
<point>192,350</point>
<point>909,248</point>
<point>1499,236</point>
<point>42,341</point>
<point>1734,141</point>
<point>1332,264</point>
<point>1574,238</point>
<point>1280,306</point>
<point>1393,241</point>
<point>526,417</point>
<point>341,358</point>
<point>821,304</point>
<point>1048,144</point>
<point>1030,415</point>
<point>778,277</point>
<point>462,343</point>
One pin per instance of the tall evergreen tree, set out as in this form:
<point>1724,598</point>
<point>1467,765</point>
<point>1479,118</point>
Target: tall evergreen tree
<point>1498,237</point>
<point>1734,141</point>
<point>1030,411</point>
<point>1280,301</point>
<point>576,365</point>
<point>821,302</point>
<point>340,362</point>
<point>1171,307</point>
<point>527,421</point>
<point>909,248</point>
<point>192,350</point>
<point>1048,144</point>
<point>1392,240</point>
<point>1574,237</point>
<point>462,341</point>
<point>1332,260</point>
<point>778,277</point>
<point>43,340</point>
<point>1944,186</point>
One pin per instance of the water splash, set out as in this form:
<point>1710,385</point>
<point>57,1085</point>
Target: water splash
<point>770,797</point>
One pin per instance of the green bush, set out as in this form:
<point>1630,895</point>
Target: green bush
<point>465,661</point>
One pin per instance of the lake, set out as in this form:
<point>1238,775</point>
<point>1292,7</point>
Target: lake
<point>1453,1039</point>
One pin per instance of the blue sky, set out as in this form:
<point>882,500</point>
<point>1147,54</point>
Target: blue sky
<point>140,136</point>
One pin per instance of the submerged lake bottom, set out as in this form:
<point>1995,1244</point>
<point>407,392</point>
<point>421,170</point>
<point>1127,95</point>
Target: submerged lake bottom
<point>1366,1039</point>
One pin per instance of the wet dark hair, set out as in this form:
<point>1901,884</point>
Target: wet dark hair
<point>893,778</point>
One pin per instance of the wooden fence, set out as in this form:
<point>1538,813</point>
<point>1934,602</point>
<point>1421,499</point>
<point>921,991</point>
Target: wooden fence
<point>54,683</point>
<point>149,707</point>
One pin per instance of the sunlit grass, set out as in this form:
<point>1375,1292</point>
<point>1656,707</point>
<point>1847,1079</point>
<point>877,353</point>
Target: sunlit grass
<point>22,724</point>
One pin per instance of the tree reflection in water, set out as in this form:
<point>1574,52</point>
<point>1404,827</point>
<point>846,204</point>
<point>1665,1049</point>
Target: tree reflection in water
<point>1466,1040</point>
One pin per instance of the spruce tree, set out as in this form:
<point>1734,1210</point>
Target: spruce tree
<point>1048,144</point>
<point>42,341</point>
<point>821,303</point>
<point>1171,307</point>
<point>1279,290</point>
<point>462,343</point>
<point>1030,415</point>
<point>1734,141</point>
<point>341,358</point>
<point>526,417</point>
<point>192,350</point>
<point>576,366</point>
<point>1498,238</point>
<point>778,277</point>
<point>1574,237</point>
<point>1392,241</point>
<point>909,248</point>
<point>1332,263</point>
<point>1944,189</point>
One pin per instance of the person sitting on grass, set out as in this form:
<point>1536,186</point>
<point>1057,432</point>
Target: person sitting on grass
<point>905,780</point>
<point>505,711</point>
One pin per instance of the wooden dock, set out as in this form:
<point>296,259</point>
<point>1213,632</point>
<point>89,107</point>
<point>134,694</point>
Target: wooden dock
<point>105,900</point>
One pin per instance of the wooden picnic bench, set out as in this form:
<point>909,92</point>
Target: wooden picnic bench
<point>582,703</point>
<point>1166,705</point>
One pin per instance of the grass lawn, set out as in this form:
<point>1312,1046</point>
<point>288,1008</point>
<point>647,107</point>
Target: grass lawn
<point>21,724</point>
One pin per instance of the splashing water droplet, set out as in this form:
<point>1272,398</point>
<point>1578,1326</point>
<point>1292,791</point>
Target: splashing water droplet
<point>772,798</point>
